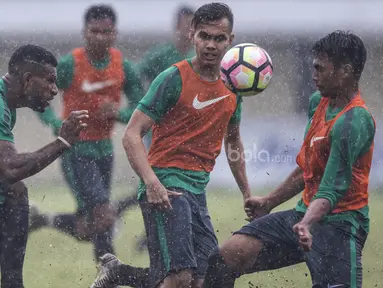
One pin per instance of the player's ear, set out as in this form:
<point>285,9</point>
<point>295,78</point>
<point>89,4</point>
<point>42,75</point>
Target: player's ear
<point>231,38</point>
<point>347,70</point>
<point>26,78</point>
<point>191,34</point>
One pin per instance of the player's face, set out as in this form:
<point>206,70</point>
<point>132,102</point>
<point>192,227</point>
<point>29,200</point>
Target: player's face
<point>100,34</point>
<point>326,76</point>
<point>212,41</point>
<point>40,89</point>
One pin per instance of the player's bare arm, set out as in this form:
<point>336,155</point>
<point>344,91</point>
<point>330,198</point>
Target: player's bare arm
<point>137,127</point>
<point>15,167</point>
<point>238,166</point>
<point>257,206</point>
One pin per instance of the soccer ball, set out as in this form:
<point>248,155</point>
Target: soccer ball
<point>246,69</point>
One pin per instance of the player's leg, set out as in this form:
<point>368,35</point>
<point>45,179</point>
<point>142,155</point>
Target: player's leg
<point>103,213</point>
<point>124,204</point>
<point>204,236</point>
<point>171,251</point>
<point>142,242</point>
<point>65,222</point>
<point>170,242</point>
<point>266,243</point>
<point>336,256</point>
<point>14,234</point>
<point>97,217</point>
<point>113,272</point>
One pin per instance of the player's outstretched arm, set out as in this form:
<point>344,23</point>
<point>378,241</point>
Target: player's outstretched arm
<point>289,188</point>
<point>233,144</point>
<point>257,206</point>
<point>15,167</point>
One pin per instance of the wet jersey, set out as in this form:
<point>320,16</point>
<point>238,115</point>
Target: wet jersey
<point>191,118</point>
<point>7,116</point>
<point>86,85</point>
<point>7,122</point>
<point>336,159</point>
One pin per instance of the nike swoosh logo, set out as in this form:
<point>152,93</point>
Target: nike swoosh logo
<point>200,105</point>
<point>333,286</point>
<point>88,87</point>
<point>314,139</point>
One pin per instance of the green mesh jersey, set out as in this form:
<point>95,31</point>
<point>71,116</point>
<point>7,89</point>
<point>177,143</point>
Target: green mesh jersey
<point>132,89</point>
<point>7,116</point>
<point>7,122</point>
<point>348,142</point>
<point>159,59</point>
<point>163,94</point>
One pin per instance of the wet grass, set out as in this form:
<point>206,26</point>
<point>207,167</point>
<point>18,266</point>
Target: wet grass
<point>56,260</point>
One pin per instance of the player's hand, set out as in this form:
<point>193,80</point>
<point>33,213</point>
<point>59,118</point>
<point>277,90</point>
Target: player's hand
<point>73,125</point>
<point>108,111</point>
<point>256,207</point>
<point>158,196</point>
<point>245,197</point>
<point>304,236</point>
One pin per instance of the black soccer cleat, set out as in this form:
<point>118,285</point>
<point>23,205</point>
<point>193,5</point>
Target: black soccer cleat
<point>107,276</point>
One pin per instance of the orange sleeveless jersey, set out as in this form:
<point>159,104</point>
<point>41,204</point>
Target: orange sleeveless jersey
<point>313,157</point>
<point>190,134</point>
<point>90,88</point>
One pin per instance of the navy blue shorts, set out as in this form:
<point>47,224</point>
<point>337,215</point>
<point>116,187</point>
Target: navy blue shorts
<point>335,257</point>
<point>180,239</point>
<point>89,178</point>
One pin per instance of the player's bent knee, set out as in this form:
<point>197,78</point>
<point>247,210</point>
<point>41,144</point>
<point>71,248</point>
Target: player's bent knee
<point>241,251</point>
<point>18,194</point>
<point>104,216</point>
<point>197,283</point>
<point>181,279</point>
<point>218,273</point>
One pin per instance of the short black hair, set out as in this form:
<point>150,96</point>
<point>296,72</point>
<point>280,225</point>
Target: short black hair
<point>182,11</point>
<point>342,48</point>
<point>30,54</point>
<point>212,12</point>
<point>100,12</point>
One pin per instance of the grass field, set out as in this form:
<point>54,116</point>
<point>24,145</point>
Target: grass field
<point>56,260</point>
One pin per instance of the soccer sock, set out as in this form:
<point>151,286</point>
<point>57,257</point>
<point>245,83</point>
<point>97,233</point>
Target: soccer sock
<point>103,243</point>
<point>66,223</point>
<point>124,204</point>
<point>13,244</point>
<point>132,276</point>
<point>218,274</point>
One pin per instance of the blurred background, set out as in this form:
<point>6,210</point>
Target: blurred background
<point>272,126</point>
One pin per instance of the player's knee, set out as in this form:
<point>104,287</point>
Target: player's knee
<point>218,273</point>
<point>197,283</point>
<point>218,263</point>
<point>104,216</point>
<point>181,279</point>
<point>18,194</point>
<point>241,251</point>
